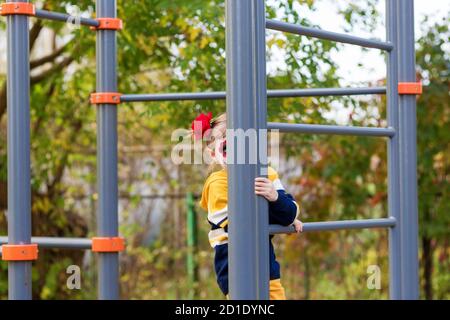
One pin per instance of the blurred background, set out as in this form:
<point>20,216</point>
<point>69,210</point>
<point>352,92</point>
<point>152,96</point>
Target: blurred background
<point>178,46</point>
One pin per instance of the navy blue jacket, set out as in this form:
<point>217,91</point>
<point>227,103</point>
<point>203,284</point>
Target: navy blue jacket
<point>282,212</point>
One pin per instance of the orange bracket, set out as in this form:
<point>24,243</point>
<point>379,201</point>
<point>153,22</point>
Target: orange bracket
<point>109,24</point>
<point>23,8</point>
<point>104,244</point>
<point>105,98</point>
<point>413,88</point>
<point>19,252</point>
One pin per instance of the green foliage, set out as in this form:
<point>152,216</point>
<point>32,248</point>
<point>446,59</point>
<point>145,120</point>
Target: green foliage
<point>433,116</point>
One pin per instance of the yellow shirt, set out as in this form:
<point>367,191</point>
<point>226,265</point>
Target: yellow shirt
<point>215,201</point>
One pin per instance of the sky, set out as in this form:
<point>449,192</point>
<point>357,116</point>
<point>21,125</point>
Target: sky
<point>376,69</point>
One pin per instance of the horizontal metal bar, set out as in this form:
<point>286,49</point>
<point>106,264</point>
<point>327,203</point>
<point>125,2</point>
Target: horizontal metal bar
<point>332,130</point>
<point>57,243</point>
<point>221,95</point>
<point>337,225</point>
<point>64,17</point>
<point>323,92</point>
<point>327,35</point>
<point>85,244</point>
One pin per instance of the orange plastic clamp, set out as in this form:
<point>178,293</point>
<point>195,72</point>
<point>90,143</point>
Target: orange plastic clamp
<point>109,24</point>
<point>19,252</point>
<point>105,98</point>
<point>104,244</point>
<point>410,88</point>
<point>23,8</point>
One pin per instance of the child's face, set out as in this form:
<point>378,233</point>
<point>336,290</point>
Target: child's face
<point>220,152</point>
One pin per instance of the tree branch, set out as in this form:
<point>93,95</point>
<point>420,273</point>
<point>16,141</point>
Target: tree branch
<point>3,195</point>
<point>36,79</point>
<point>56,68</point>
<point>46,59</point>
<point>34,33</point>
<point>36,29</point>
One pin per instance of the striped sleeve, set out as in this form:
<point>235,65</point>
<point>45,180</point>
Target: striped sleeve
<point>285,209</point>
<point>214,201</point>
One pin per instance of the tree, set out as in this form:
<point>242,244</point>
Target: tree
<point>433,58</point>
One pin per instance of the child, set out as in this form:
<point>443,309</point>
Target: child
<point>283,209</point>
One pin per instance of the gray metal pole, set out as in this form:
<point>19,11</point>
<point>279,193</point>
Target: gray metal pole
<point>19,188</point>
<point>261,169</point>
<point>332,130</point>
<point>221,95</point>
<point>393,153</point>
<point>64,17</point>
<point>408,153</point>
<point>246,109</point>
<point>57,243</point>
<point>327,35</point>
<point>107,218</point>
<point>323,92</point>
<point>337,225</point>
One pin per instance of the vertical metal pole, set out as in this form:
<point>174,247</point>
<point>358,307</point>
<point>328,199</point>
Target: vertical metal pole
<point>393,153</point>
<point>19,187</point>
<point>246,111</point>
<point>260,94</point>
<point>408,153</point>
<point>107,217</point>
<point>191,233</point>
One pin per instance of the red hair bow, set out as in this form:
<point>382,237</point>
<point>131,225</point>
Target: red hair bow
<point>201,124</point>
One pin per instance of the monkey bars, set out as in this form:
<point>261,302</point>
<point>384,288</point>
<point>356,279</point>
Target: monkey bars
<point>246,109</point>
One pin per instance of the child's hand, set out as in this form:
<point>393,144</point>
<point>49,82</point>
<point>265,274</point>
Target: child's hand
<point>264,187</point>
<point>298,225</point>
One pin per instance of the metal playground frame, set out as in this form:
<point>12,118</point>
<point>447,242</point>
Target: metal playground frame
<point>246,98</point>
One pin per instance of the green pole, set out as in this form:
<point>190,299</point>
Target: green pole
<point>191,234</point>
